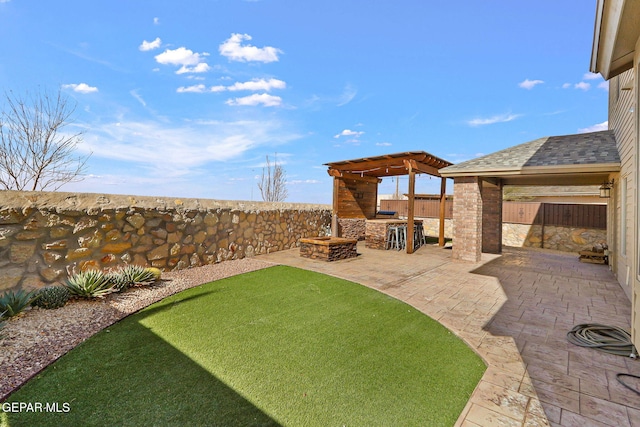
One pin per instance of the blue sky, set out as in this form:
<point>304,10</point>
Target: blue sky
<point>185,99</point>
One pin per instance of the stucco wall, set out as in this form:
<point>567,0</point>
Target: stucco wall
<point>46,236</point>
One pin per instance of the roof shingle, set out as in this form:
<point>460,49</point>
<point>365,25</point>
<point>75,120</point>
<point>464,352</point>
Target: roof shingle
<point>567,150</point>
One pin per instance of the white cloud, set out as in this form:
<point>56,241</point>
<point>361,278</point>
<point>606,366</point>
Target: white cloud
<point>233,49</point>
<point>595,128</point>
<point>590,76</point>
<point>260,84</point>
<point>347,95</point>
<point>156,21</point>
<point>202,67</point>
<point>137,96</point>
<point>81,88</point>
<point>180,148</point>
<point>383,144</point>
<point>604,85</point>
<point>530,84</point>
<point>190,62</point>
<point>583,85</point>
<point>252,85</point>
<point>349,132</point>
<point>256,99</point>
<point>193,89</point>
<point>501,118</point>
<point>566,86</point>
<point>145,46</point>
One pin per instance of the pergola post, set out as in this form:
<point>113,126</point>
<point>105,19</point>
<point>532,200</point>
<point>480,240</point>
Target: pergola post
<point>334,217</point>
<point>443,201</point>
<point>411,210</point>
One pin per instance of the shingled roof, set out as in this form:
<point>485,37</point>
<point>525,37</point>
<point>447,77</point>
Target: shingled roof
<point>591,152</point>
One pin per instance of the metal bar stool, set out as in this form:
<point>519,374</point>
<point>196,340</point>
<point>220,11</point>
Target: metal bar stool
<point>402,236</point>
<point>418,235</point>
<point>391,239</point>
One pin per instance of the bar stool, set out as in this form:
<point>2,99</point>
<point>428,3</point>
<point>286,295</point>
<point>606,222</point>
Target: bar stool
<point>392,237</point>
<point>402,236</point>
<point>418,235</point>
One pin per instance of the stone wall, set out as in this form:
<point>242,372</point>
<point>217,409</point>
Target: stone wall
<point>46,236</point>
<point>352,228</point>
<point>431,227</point>
<point>566,239</point>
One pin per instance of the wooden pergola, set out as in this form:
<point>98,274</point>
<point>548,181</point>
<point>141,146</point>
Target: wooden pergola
<point>369,172</point>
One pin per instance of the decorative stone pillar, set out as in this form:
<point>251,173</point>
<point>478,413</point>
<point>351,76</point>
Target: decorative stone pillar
<point>491,216</point>
<point>467,219</point>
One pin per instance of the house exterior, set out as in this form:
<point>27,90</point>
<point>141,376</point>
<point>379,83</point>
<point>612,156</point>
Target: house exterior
<point>611,156</point>
<point>616,56</point>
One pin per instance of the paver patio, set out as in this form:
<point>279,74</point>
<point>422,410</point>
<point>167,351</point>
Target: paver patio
<point>513,309</point>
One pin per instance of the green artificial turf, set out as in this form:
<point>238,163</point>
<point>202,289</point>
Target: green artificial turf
<point>280,346</point>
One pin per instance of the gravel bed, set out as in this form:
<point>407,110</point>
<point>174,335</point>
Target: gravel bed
<point>38,337</point>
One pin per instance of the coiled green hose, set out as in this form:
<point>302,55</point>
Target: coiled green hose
<point>609,339</point>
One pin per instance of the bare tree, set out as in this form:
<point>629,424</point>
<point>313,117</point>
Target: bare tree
<point>272,185</point>
<point>35,151</point>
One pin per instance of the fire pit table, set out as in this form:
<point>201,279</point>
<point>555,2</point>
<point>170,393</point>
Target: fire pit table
<point>328,248</point>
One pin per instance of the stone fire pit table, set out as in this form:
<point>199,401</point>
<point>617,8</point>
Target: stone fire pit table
<point>328,248</point>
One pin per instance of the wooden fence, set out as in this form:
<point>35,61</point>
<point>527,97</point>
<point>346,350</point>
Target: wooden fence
<point>554,214</point>
<point>423,208</point>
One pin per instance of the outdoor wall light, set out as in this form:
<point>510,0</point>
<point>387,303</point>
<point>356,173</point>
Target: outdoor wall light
<point>605,189</point>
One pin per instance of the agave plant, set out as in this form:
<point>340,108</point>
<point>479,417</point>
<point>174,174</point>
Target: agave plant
<point>137,275</point>
<point>89,284</point>
<point>12,303</point>
<point>51,297</point>
<point>118,281</point>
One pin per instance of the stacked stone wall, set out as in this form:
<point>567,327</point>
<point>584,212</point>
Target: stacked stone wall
<point>44,237</point>
<point>567,239</point>
<point>352,228</point>
<point>431,227</point>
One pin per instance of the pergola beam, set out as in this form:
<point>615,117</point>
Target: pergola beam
<point>346,175</point>
<point>419,167</point>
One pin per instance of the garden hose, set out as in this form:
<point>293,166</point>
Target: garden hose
<point>609,339</point>
<point>619,378</point>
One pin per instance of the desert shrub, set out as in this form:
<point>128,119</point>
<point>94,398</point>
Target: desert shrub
<point>51,297</point>
<point>132,275</point>
<point>119,282</point>
<point>89,284</point>
<point>12,303</point>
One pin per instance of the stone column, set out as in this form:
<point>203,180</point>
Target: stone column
<point>492,216</point>
<point>467,219</point>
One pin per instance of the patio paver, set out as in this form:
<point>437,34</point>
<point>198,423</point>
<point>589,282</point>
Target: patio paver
<point>514,310</point>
